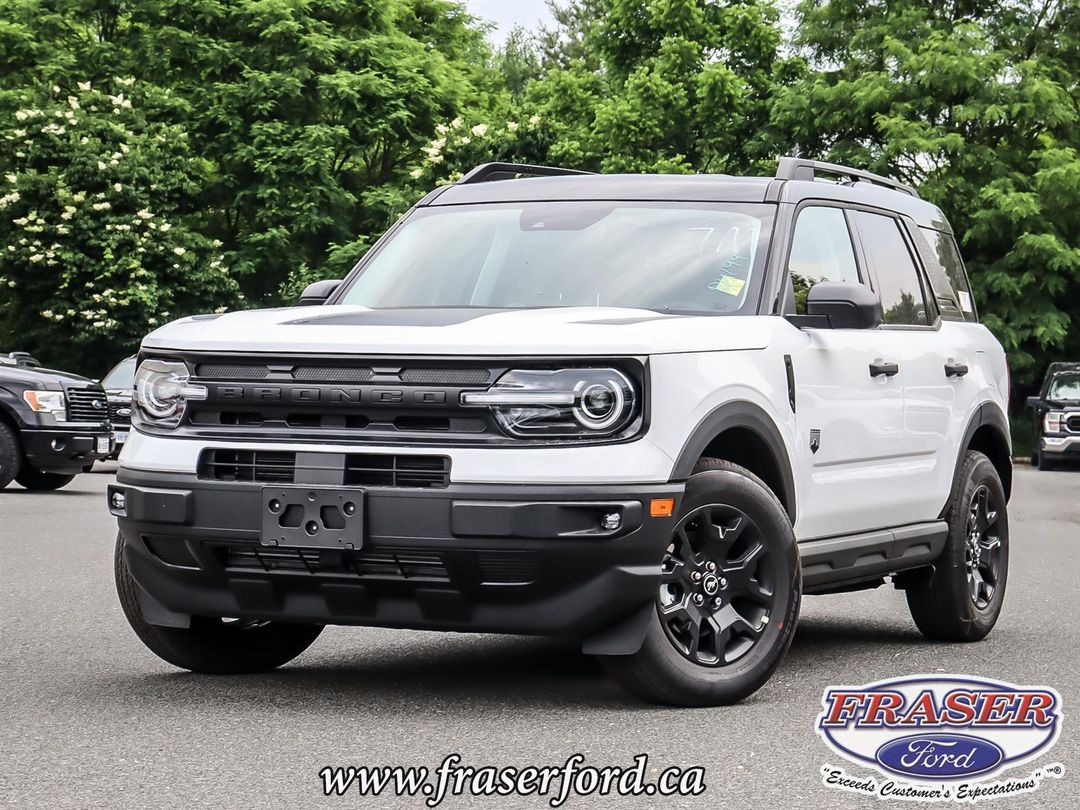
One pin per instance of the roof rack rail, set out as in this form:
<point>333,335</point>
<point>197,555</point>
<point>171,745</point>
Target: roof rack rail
<point>791,168</point>
<point>508,171</point>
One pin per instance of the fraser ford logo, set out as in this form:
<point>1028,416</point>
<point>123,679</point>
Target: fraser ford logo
<point>940,737</point>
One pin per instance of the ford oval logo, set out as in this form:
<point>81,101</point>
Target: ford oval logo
<point>939,756</point>
<point>940,729</point>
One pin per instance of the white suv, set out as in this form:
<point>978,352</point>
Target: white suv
<point>647,412</point>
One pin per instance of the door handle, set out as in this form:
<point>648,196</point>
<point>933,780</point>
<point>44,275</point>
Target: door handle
<point>954,369</point>
<point>880,368</point>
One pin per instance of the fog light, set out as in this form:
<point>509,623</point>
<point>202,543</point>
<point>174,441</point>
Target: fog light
<point>119,501</point>
<point>58,445</point>
<point>611,521</point>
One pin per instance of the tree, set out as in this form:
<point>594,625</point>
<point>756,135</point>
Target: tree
<point>99,238</point>
<point>976,103</point>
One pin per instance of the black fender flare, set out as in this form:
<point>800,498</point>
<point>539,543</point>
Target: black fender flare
<point>748,416</point>
<point>987,414</point>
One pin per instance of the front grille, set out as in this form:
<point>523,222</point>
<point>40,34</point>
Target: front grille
<point>1072,424</point>
<point>356,469</point>
<point>114,413</point>
<point>371,470</point>
<point>81,405</point>
<point>248,465</point>
<point>220,371</point>
<point>382,565</point>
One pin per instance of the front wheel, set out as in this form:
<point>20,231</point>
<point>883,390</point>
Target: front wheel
<point>213,645</point>
<point>728,598</point>
<point>42,481</point>
<point>964,598</point>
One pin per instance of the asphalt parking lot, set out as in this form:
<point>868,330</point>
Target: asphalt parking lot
<point>89,718</point>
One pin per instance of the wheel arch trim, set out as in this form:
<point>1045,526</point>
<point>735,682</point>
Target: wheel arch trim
<point>986,415</point>
<point>745,415</point>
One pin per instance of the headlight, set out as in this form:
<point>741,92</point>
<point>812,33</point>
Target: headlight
<point>162,392</point>
<point>570,402</point>
<point>45,401</point>
<point>1054,422</point>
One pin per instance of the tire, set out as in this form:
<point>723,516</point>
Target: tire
<point>39,481</point>
<point>1044,464</point>
<point>213,645</point>
<point>742,639</point>
<point>955,606</point>
<point>10,455</point>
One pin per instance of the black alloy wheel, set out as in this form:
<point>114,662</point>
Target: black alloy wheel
<point>982,554</point>
<point>717,587</point>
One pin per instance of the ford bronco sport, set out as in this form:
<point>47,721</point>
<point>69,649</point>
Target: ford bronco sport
<point>645,412</point>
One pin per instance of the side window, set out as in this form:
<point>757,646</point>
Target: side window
<point>893,268</point>
<point>948,256</point>
<point>820,251</point>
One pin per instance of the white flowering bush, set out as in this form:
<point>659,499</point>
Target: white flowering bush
<point>460,145</point>
<point>98,242</point>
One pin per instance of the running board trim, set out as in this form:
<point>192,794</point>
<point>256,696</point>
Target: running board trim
<point>852,558</point>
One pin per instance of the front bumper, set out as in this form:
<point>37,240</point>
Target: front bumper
<point>471,557</point>
<point>1060,445</point>
<point>66,449</point>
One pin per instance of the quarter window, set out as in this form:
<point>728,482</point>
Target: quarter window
<point>820,251</point>
<point>956,279</point>
<point>890,261</point>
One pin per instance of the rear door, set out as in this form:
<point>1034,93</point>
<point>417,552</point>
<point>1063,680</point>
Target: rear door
<point>933,397</point>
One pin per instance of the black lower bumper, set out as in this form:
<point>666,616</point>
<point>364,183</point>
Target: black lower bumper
<point>65,450</point>
<point>484,558</point>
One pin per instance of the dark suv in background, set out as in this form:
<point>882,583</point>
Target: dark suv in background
<point>53,426</point>
<point>1057,416</point>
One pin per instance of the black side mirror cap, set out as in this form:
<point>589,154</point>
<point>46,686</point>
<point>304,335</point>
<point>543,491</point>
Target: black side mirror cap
<point>1034,402</point>
<point>316,294</point>
<point>842,305</point>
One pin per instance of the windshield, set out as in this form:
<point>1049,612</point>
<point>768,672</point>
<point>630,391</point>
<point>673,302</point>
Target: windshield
<point>122,377</point>
<point>1064,387</point>
<point>699,258</point>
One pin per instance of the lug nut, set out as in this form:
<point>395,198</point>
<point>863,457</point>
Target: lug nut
<point>723,582</point>
<point>698,598</point>
<point>696,576</point>
<point>710,565</point>
<point>717,602</point>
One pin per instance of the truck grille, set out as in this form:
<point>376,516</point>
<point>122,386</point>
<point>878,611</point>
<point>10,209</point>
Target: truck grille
<point>87,405</point>
<point>356,469</point>
<point>1072,423</point>
<point>114,413</point>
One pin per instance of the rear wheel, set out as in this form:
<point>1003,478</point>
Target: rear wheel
<point>964,598</point>
<point>43,481</point>
<point>728,598</point>
<point>10,457</point>
<point>213,645</point>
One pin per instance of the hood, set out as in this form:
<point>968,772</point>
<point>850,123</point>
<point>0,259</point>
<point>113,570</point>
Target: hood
<point>439,331</point>
<point>46,378</point>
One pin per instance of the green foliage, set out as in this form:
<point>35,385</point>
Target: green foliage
<point>976,104</point>
<point>99,242</point>
<point>278,138</point>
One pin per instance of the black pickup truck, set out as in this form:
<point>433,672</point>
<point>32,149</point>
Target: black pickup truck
<point>53,426</point>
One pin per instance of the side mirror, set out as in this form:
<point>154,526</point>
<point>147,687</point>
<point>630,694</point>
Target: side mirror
<point>1034,402</point>
<point>844,305</point>
<point>316,294</point>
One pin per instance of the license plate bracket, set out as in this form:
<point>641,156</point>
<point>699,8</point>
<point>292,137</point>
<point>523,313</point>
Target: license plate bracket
<point>313,517</point>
